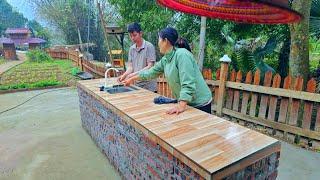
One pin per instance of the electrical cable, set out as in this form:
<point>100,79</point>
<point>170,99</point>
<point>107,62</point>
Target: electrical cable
<point>14,107</point>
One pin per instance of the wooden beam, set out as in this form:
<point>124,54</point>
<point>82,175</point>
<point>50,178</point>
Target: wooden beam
<point>93,70</point>
<point>269,90</point>
<point>275,91</point>
<point>250,160</point>
<point>222,86</point>
<point>272,124</point>
<point>213,82</point>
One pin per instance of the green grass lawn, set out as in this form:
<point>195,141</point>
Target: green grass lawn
<point>2,60</point>
<point>38,74</point>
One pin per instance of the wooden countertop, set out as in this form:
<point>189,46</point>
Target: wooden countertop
<point>210,145</point>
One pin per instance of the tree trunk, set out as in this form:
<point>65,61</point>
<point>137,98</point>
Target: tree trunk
<point>299,50</point>
<point>284,58</point>
<point>202,41</point>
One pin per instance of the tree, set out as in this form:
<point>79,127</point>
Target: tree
<point>38,30</point>
<point>10,18</point>
<point>299,50</point>
<point>148,13</point>
<point>315,18</point>
<point>73,18</point>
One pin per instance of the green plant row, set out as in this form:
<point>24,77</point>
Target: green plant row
<point>39,84</point>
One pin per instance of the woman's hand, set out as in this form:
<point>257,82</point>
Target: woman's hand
<point>131,75</point>
<point>121,78</point>
<point>129,81</point>
<point>181,107</point>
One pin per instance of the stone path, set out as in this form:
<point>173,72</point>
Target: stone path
<point>12,63</point>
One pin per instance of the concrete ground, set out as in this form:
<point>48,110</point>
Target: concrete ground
<point>43,139</point>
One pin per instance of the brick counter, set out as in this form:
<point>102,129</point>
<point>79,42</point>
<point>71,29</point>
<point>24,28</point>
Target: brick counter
<point>139,153</point>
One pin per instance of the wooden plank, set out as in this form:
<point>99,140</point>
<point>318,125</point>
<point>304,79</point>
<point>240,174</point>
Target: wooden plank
<point>216,89</point>
<point>215,163</point>
<point>274,125</point>
<point>92,70</point>
<point>237,93</point>
<point>294,113</point>
<point>168,91</point>
<point>284,101</point>
<point>164,86</point>
<point>247,161</point>
<point>273,99</point>
<point>315,97</point>
<point>229,98</point>
<point>222,86</point>
<point>317,125</point>
<point>209,74</point>
<point>254,97</point>
<point>160,84</point>
<point>245,99</point>
<point>175,132</point>
<point>265,98</point>
<point>212,82</point>
<point>308,106</point>
<point>194,137</point>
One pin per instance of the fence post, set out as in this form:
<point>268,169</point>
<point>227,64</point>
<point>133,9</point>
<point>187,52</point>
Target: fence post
<point>80,63</point>
<point>68,54</point>
<point>78,58</point>
<point>225,60</point>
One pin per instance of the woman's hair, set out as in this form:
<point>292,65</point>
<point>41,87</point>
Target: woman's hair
<point>173,37</point>
<point>183,43</point>
<point>169,33</point>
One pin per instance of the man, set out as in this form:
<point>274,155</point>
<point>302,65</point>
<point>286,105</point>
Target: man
<point>141,56</point>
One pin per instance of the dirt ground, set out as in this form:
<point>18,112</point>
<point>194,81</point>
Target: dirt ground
<point>43,139</point>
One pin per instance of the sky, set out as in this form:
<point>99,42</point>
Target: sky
<point>24,7</point>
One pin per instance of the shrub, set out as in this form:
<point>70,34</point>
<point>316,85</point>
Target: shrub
<point>38,55</point>
<point>74,71</point>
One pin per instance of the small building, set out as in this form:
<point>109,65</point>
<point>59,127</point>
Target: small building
<point>35,43</point>
<point>22,38</point>
<point>9,50</point>
<point>18,33</point>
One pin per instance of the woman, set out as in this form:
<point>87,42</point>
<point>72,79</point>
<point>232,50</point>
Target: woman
<point>182,74</point>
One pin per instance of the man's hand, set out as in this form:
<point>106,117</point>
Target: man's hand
<point>181,107</point>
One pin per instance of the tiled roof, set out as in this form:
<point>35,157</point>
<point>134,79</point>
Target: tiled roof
<point>36,41</point>
<point>17,31</point>
<point>22,41</point>
<point>6,41</point>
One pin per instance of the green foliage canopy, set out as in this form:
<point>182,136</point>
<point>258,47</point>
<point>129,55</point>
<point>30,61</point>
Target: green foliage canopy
<point>10,18</point>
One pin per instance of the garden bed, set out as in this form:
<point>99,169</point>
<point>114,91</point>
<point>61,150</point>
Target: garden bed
<point>34,75</point>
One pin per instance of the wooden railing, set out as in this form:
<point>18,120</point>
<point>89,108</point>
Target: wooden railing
<point>275,105</point>
<point>80,61</point>
<point>280,107</point>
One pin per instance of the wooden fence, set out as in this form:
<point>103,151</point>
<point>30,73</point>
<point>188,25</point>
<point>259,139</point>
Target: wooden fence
<point>280,107</point>
<point>80,61</point>
<point>275,105</point>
